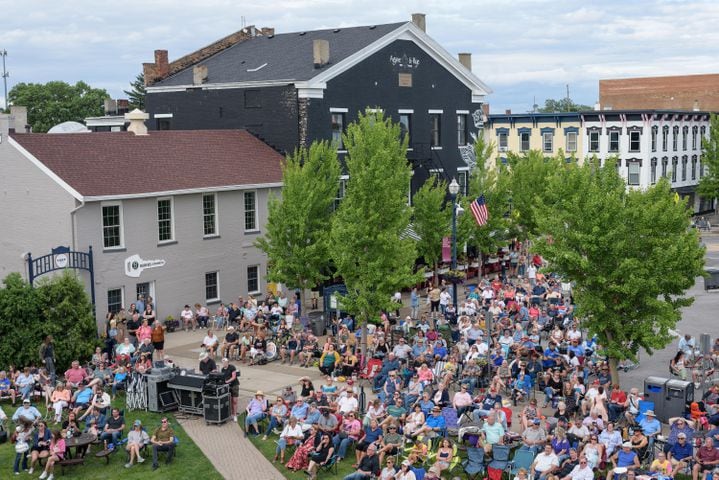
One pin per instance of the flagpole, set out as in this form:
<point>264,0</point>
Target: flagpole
<point>453,191</point>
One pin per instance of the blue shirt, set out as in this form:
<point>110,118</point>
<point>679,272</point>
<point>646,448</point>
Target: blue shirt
<point>300,411</point>
<point>441,352</point>
<point>313,417</point>
<point>426,406</point>
<point>680,451</point>
<point>371,436</point>
<point>84,396</point>
<point>650,427</point>
<point>625,459</point>
<point>434,421</point>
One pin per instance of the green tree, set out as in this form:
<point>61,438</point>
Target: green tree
<point>297,239</point>
<point>493,183</point>
<point>365,239</point>
<point>709,184</point>
<point>137,92</point>
<point>58,306</point>
<point>431,220</point>
<point>56,102</point>
<point>630,253</point>
<point>562,105</point>
<point>528,181</point>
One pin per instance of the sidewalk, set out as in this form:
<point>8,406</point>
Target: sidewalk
<point>225,446</point>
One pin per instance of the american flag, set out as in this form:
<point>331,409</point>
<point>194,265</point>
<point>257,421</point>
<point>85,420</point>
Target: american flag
<point>479,210</point>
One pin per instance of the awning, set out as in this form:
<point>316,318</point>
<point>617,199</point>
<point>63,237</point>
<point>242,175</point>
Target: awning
<point>410,233</point>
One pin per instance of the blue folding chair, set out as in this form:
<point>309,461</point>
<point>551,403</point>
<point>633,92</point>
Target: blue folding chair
<point>644,405</point>
<point>500,457</point>
<point>522,459</point>
<point>474,464</point>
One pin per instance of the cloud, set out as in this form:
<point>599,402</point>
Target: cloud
<point>522,48</point>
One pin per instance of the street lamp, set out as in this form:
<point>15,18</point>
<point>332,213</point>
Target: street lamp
<point>453,191</point>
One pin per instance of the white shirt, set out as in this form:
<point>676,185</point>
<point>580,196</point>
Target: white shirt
<point>444,298</point>
<point>579,473</point>
<point>187,314</point>
<point>290,431</point>
<point>348,404</point>
<point>544,462</point>
<point>210,341</point>
<point>532,272</point>
<point>401,351</point>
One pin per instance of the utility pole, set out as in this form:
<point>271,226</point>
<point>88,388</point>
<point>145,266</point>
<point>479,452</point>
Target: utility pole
<point>568,101</point>
<point>5,74</point>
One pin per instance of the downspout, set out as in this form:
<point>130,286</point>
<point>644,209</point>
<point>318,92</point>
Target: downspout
<point>72,222</point>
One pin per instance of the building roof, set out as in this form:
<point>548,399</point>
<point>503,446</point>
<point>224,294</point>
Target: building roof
<point>96,166</point>
<point>286,56</point>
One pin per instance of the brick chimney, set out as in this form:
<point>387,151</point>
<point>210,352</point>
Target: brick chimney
<point>420,20</point>
<point>156,71</point>
<point>466,60</point>
<point>137,122</point>
<point>199,74</point>
<point>508,111</point>
<point>267,31</point>
<point>320,53</point>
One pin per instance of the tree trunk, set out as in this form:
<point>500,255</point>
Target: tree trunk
<point>613,362</point>
<point>303,299</point>
<point>363,341</point>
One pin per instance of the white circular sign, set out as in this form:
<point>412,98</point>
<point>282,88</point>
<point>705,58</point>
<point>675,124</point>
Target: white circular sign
<point>61,260</point>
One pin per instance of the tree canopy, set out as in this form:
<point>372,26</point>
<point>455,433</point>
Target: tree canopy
<point>137,92</point>
<point>366,244</point>
<point>709,183</point>
<point>297,238</point>
<point>562,105</point>
<point>431,219</point>
<point>58,306</point>
<point>630,253</point>
<point>56,102</point>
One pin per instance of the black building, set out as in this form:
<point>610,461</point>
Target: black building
<point>290,89</point>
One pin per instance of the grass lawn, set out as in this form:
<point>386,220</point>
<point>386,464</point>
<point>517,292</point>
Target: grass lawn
<point>189,462</point>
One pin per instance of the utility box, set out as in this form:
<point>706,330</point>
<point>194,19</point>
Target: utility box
<point>679,394</point>
<point>654,391</point>
<point>711,280</point>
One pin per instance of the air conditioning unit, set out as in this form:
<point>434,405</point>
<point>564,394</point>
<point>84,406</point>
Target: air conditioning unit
<point>502,149</point>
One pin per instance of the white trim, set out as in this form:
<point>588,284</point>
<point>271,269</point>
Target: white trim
<point>478,98</point>
<point>339,110</point>
<point>219,295</point>
<point>462,112</point>
<point>173,238</point>
<point>44,169</point>
<point>306,92</point>
<point>405,111</point>
<point>187,191</point>
<point>463,169</point>
<point>122,226</point>
<point>436,148</point>
<point>257,68</point>
<point>108,121</point>
<point>220,86</point>
<point>216,213</point>
<point>435,111</point>
<point>162,115</point>
<point>344,177</point>
<point>436,170</point>
<point>375,110</point>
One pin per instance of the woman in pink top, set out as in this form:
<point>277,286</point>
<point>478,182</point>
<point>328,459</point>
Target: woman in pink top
<point>145,331</point>
<point>60,399</point>
<point>57,454</point>
<point>426,376</point>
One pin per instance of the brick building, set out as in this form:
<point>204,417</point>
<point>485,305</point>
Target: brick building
<point>681,92</point>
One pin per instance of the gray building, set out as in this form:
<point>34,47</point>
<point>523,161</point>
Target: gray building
<point>170,214</point>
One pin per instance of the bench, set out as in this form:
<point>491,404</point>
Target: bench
<point>70,462</point>
<point>106,454</point>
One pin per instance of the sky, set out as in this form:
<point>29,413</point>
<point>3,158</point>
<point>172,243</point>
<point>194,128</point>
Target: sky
<point>525,50</point>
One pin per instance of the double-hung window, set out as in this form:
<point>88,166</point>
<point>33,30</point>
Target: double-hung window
<point>212,287</point>
<point>614,140</point>
<point>338,117</point>
<point>165,220</point>
<point>462,132</point>
<point>435,129</point>
<point>571,142</point>
<point>112,232</point>
<point>250,211</point>
<point>524,141</point>
<point>593,140</point>
<point>209,214</point>
<point>634,140</point>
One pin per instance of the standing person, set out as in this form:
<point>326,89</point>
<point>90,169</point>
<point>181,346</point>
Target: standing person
<point>22,439</point>
<point>433,297</point>
<point>414,303</point>
<point>132,326</point>
<point>47,356</point>
<point>163,440</point>
<point>157,336</point>
<point>230,374</point>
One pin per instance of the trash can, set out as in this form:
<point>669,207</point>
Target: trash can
<point>679,394</point>
<point>318,326</point>
<point>654,391</point>
<point>711,281</point>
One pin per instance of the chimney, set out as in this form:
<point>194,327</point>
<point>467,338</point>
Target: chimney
<point>419,19</point>
<point>466,60</point>
<point>267,31</point>
<point>695,108</point>
<point>320,53</point>
<point>485,110</point>
<point>18,116</point>
<point>508,111</point>
<point>158,70</point>
<point>137,122</point>
<point>199,74</point>
<point>597,106</point>
<point>110,106</point>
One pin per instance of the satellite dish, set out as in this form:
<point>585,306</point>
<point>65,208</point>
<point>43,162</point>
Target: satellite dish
<point>69,127</point>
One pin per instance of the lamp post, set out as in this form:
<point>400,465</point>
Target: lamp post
<point>453,191</point>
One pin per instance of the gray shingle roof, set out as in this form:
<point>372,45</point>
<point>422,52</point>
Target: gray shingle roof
<point>287,56</point>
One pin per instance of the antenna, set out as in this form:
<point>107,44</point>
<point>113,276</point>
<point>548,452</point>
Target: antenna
<point>242,20</point>
<point>5,74</point>
<point>568,100</point>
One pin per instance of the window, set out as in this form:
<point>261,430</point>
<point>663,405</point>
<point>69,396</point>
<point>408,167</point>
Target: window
<point>654,138</point>
<point>634,141</point>
<point>694,167</point>
<point>250,211</point>
<point>695,130</point>
<point>163,123</point>
<point>338,127</point>
<point>165,227</point>
<point>340,193</point>
<point>435,122</point>
<point>405,80</point>
<point>502,140</point>
<point>571,141</point>
<point>252,99</point>
<point>253,279</point>
<point>633,172</point>
<point>462,177</point>
<point>209,214</point>
<point>112,226</point>
<point>212,287</point>
<point>114,300</point>
<point>654,171</point>
<point>614,141</point>
<point>547,142</point>
<point>685,136</point>
<point>665,138</point>
<point>685,159</point>
<point>594,141</point>
<point>675,138</point>
<point>665,164</point>
<point>524,141</point>
<point>462,132</point>
<point>675,166</point>
<point>405,125</point>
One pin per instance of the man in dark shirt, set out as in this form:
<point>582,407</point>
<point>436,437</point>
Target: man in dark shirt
<point>681,452</point>
<point>232,341</point>
<point>233,313</point>
<point>568,465</point>
<point>230,374</point>
<point>368,466</point>
<point>259,347</point>
<point>132,325</point>
<point>114,427</point>
<point>207,364</point>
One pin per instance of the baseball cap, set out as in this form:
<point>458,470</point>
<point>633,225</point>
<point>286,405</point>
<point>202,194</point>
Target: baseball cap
<point>137,423</point>
<point>537,421</point>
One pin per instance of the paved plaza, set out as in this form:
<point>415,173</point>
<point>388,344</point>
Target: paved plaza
<point>235,456</point>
